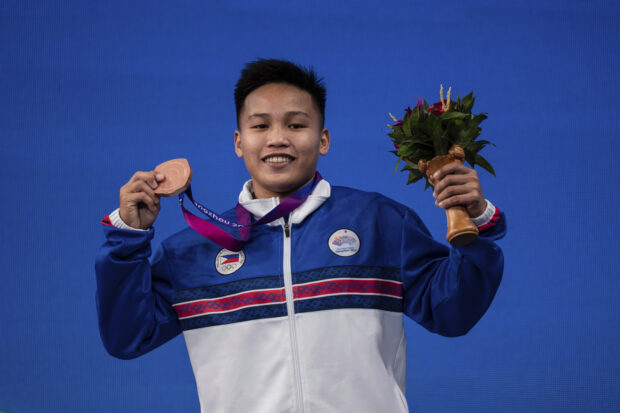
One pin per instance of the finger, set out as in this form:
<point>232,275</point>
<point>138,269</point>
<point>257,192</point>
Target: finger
<point>150,177</point>
<point>461,199</point>
<point>143,187</point>
<point>451,168</point>
<point>451,180</point>
<point>452,191</point>
<point>140,186</point>
<point>137,198</point>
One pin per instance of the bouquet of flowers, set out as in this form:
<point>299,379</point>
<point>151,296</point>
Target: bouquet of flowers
<point>429,137</point>
<point>426,132</point>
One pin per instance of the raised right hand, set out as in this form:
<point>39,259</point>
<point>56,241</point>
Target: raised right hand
<point>139,203</point>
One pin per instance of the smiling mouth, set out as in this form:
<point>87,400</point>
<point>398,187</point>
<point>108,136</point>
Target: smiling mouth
<point>278,159</point>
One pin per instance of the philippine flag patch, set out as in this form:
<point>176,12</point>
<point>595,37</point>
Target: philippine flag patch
<point>227,262</point>
<point>226,259</point>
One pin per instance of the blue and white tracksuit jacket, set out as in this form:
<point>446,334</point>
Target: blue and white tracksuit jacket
<point>308,317</point>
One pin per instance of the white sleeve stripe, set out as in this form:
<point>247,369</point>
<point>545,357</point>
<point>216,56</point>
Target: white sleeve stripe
<point>115,219</point>
<point>486,215</point>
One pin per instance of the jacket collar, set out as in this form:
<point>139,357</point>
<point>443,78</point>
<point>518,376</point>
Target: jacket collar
<point>258,207</point>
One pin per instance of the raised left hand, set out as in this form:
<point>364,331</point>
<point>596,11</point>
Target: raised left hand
<point>456,184</point>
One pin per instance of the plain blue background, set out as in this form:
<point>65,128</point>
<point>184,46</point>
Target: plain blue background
<point>92,91</point>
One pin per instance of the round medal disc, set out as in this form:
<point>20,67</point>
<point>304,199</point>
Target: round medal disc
<point>177,177</point>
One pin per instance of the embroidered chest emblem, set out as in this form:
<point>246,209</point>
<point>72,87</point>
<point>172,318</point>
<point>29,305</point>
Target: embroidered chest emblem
<point>344,243</point>
<point>227,262</point>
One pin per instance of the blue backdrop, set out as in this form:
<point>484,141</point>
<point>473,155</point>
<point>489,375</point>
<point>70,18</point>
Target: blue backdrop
<point>92,91</point>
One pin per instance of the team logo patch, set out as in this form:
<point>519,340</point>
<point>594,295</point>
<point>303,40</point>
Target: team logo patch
<point>227,262</point>
<point>344,243</point>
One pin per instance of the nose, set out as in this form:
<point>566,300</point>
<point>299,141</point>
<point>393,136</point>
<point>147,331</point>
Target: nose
<point>278,138</point>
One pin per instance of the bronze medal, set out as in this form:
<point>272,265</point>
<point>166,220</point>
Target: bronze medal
<point>177,177</point>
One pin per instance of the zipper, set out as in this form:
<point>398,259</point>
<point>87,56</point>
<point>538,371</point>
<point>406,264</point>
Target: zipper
<point>290,307</point>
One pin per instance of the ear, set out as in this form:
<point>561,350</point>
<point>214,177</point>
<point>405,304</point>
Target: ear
<point>238,149</point>
<point>324,142</point>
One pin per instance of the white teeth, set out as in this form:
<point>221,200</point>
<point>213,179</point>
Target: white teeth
<point>277,159</point>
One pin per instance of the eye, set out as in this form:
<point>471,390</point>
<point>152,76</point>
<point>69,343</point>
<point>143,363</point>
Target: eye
<point>296,126</point>
<point>259,126</point>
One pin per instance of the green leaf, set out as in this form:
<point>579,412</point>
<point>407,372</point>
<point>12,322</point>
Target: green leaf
<point>475,146</point>
<point>427,185</point>
<point>411,164</point>
<point>470,157</point>
<point>467,102</point>
<point>406,126</point>
<point>397,163</point>
<point>414,176</point>
<point>397,133</point>
<point>479,118</point>
<point>440,145</point>
<point>452,115</point>
<point>415,115</point>
<point>484,164</point>
<point>466,135</point>
<point>423,146</point>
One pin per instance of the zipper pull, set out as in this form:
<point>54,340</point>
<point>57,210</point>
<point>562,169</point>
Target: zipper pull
<point>287,230</point>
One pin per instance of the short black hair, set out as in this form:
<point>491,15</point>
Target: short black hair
<point>264,71</point>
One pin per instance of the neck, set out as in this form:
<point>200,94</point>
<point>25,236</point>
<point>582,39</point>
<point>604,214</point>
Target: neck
<point>260,192</point>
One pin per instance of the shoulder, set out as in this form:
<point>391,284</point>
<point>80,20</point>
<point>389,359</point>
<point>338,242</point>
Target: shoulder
<point>356,198</point>
<point>372,204</point>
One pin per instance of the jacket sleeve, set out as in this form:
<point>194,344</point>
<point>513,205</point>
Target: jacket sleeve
<point>447,290</point>
<point>133,296</point>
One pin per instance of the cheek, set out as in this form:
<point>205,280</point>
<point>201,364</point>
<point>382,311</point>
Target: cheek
<point>249,148</point>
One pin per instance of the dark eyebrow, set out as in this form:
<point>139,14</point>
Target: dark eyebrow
<point>288,114</point>
<point>297,112</point>
<point>258,115</point>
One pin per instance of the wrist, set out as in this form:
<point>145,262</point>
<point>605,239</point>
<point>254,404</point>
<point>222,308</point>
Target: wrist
<point>486,216</point>
<point>478,209</point>
<point>119,222</point>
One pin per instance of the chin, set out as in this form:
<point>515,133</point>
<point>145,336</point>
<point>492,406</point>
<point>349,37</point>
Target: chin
<point>283,186</point>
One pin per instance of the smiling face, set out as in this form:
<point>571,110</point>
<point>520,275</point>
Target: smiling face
<point>280,139</point>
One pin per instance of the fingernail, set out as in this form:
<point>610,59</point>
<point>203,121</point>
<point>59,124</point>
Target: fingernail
<point>159,176</point>
<point>436,176</point>
<point>154,184</point>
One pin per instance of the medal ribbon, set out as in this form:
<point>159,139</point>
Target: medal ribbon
<point>244,219</point>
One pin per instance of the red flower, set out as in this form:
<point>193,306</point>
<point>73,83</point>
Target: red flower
<point>437,108</point>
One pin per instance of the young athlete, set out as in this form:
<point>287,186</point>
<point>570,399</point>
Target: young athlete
<point>307,316</point>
